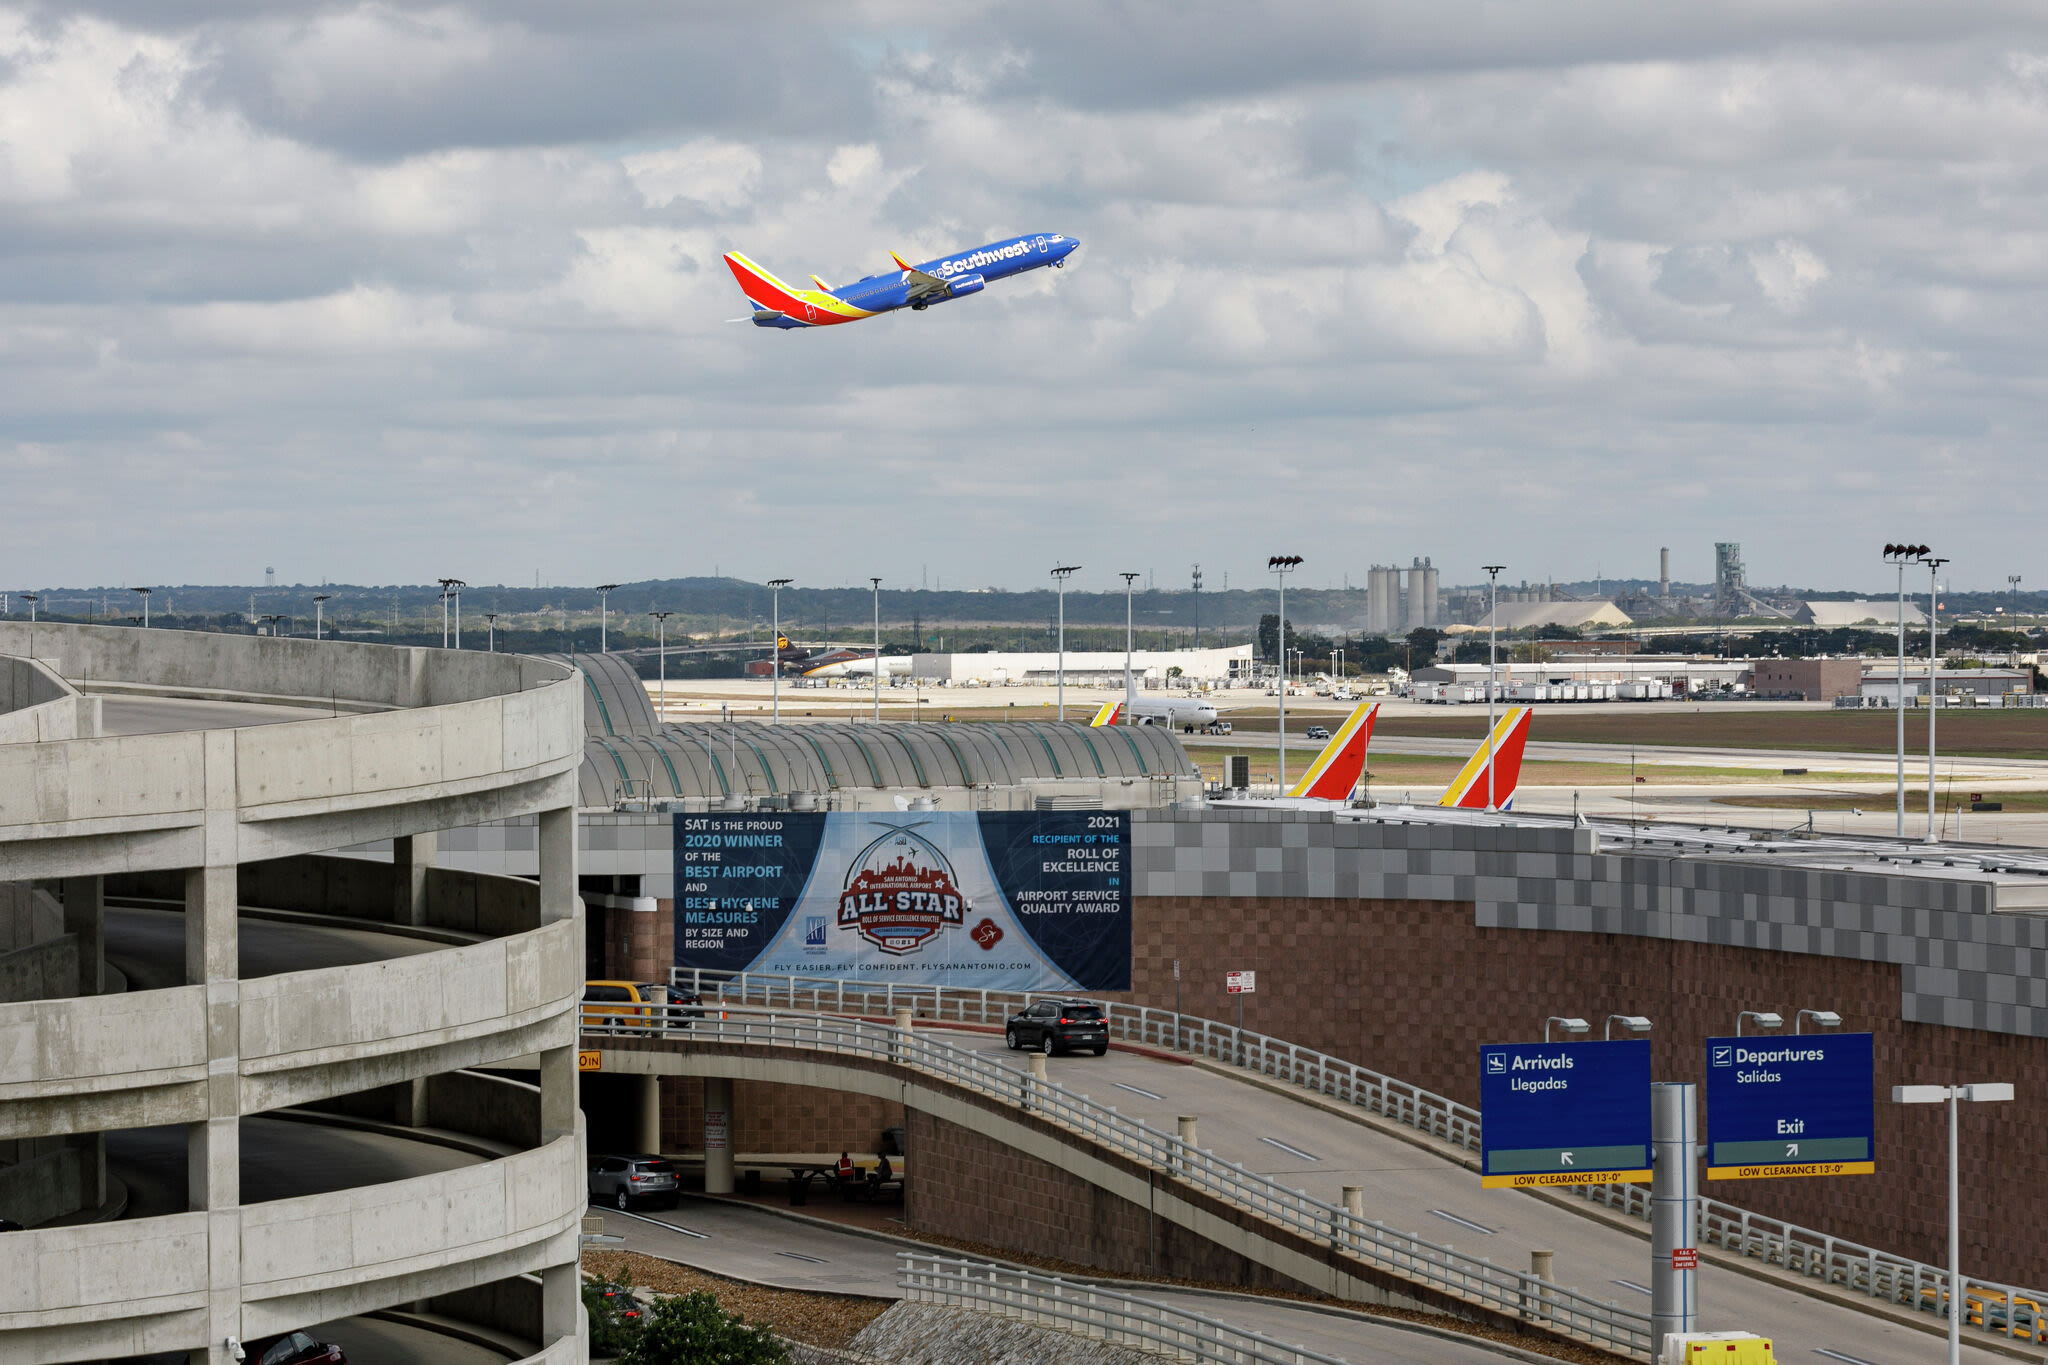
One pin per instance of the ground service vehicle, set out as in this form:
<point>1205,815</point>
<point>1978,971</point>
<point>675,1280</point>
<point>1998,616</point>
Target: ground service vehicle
<point>635,1004</point>
<point>1059,1025</point>
<point>622,1181</point>
<point>1317,732</point>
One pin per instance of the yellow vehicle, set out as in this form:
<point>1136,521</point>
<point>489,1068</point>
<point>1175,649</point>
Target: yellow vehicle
<point>616,1005</point>
<point>1987,1308</point>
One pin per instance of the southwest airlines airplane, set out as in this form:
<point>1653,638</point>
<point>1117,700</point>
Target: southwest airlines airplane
<point>916,287</point>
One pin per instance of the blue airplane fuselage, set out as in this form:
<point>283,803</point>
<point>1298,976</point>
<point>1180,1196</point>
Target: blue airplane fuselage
<point>913,286</point>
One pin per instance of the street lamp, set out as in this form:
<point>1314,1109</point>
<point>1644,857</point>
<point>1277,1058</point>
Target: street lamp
<point>31,599</point>
<point>1951,1095</point>
<point>1764,1019</point>
<point>1280,566</point>
<point>1634,1023</point>
<point>491,632</point>
<point>1821,1019</point>
<point>448,586</point>
<point>661,653</point>
<point>878,648</point>
<point>1492,647</point>
<point>145,605</point>
<point>1060,574</point>
<point>320,601</point>
<point>1568,1023</point>
<point>1933,681</point>
<point>776,585</point>
<point>604,616</point>
<point>1902,555</point>
<point>271,622</point>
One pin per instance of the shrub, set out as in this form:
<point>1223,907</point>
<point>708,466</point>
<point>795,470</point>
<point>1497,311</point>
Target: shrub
<point>616,1318</point>
<point>691,1329</point>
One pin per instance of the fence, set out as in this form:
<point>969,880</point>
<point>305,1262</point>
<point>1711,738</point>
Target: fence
<point>1470,1278</point>
<point>1084,1310</point>
<point>2003,1309</point>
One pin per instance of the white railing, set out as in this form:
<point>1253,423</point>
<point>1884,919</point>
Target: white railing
<point>1084,1310</point>
<point>1470,1278</point>
<point>1803,1251</point>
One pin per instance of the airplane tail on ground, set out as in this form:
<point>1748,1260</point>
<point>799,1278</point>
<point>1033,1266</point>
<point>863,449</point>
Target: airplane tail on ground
<point>1510,737</point>
<point>1337,768</point>
<point>1107,715</point>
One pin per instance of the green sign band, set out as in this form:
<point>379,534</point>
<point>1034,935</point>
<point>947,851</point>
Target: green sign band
<point>1521,1160</point>
<point>1789,1150</point>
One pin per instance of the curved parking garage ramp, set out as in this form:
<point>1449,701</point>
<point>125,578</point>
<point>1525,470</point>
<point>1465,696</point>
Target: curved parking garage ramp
<point>207,797</point>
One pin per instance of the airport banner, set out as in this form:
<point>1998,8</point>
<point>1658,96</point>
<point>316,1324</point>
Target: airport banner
<point>1006,900</point>
<point>1791,1107</point>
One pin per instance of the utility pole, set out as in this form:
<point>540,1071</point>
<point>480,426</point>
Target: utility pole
<point>1492,649</point>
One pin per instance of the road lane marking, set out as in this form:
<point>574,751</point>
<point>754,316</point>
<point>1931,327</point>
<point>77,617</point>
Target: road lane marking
<point>1837,1355</point>
<point>1631,1284</point>
<point>672,1227</point>
<point>1464,1222</point>
<point>1291,1151</point>
<point>799,1256</point>
<point>1135,1090</point>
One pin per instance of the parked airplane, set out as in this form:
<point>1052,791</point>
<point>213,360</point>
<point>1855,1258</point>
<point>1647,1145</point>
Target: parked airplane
<point>1336,770</point>
<point>855,663</point>
<point>1468,789</point>
<point>916,287</point>
<point>1189,715</point>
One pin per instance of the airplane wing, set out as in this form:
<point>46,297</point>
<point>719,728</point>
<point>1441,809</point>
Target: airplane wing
<point>923,286</point>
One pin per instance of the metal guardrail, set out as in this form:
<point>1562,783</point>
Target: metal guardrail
<point>1084,1310</point>
<point>1471,1278</point>
<point>2000,1309</point>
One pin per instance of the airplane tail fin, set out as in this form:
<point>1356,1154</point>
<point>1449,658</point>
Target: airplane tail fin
<point>1107,715</point>
<point>761,287</point>
<point>1510,737</point>
<point>1336,770</point>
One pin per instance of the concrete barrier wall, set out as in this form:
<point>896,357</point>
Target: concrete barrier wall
<point>487,1107</point>
<point>94,1045</point>
<point>509,1305</point>
<point>358,888</point>
<point>44,1186</point>
<point>28,916</point>
<point>56,1276</point>
<point>40,972</point>
<point>37,705</point>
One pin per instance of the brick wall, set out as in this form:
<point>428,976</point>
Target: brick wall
<point>1413,988</point>
<point>970,1186</point>
<point>777,1118</point>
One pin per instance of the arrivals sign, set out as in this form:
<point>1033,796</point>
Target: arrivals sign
<point>1798,1106</point>
<point>1564,1113</point>
<point>1007,900</point>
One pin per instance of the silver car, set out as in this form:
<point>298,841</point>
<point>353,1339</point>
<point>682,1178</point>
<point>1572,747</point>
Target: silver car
<point>623,1181</point>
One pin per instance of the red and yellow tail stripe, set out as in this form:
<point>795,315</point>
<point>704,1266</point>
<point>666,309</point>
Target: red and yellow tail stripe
<point>1510,737</point>
<point>813,306</point>
<point>1107,715</point>
<point>1336,770</point>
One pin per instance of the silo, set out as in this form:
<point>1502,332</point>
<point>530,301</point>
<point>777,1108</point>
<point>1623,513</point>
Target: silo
<point>1383,601</point>
<point>1417,600</point>
<point>1664,574</point>
<point>1432,614</point>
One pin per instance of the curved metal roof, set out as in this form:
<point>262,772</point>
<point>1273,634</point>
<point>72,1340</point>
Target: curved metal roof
<point>713,760</point>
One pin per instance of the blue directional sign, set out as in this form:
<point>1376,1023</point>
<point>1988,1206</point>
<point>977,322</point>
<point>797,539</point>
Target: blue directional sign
<point>1796,1106</point>
<point>1564,1113</point>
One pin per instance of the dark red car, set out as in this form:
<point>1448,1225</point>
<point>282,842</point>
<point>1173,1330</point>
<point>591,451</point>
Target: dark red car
<point>293,1348</point>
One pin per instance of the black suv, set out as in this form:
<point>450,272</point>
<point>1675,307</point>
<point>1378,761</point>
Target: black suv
<point>1059,1025</point>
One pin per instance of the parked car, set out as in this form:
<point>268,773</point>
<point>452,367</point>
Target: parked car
<point>1056,1025</point>
<point>1318,732</point>
<point>293,1348</point>
<point>623,1181</point>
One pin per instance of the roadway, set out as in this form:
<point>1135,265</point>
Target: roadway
<point>130,715</point>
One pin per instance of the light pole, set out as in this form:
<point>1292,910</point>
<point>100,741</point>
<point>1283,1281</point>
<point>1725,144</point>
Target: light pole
<point>31,599</point>
<point>320,601</point>
<point>1634,1023</point>
<point>491,632</point>
<point>1902,555</point>
<point>1492,647</point>
<point>1821,1019</point>
<point>1280,566</point>
<point>2013,584</point>
<point>145,605</point>
<point>1764,1019</point>
<point>1951,1095</point>
<point>1060,575</point>
<point>878,648</point>
<point>604,616</point>
<point>447,591</point>
<point>270,621</point>
<point>1569,1023</point>
<point>776,585</point>
<point>661,654</point>
<point>1130,689</point>
<point>1933,681</point>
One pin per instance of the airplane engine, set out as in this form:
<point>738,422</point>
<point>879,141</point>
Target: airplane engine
<point>964,284</point>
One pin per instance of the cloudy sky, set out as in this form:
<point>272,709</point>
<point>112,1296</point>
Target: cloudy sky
<point>385,292</point>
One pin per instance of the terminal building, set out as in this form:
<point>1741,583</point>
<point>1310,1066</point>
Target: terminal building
<point>1152,668</point>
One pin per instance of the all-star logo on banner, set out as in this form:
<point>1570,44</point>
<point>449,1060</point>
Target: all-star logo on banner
<point>900,892</point>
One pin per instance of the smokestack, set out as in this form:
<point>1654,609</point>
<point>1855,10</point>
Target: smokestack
<point>1664,574</point>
